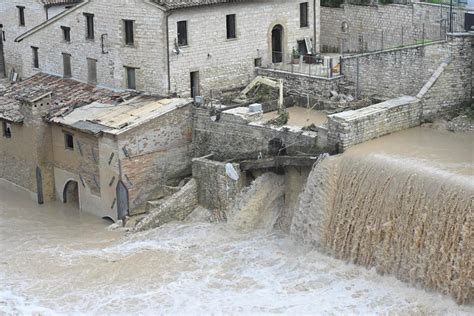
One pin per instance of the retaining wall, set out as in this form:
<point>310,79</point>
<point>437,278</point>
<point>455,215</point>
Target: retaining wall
<point>233,137</point>
<point>350,128</point>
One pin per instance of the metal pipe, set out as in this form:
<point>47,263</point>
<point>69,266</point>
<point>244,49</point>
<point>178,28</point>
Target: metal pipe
<point>314,27</point>
<point>168,51</point>
<point>450,16</point>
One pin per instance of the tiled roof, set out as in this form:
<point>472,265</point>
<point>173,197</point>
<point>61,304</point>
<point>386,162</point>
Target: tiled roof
<point>51,3</point>
<point>179,4</point>
<point>65,94</point>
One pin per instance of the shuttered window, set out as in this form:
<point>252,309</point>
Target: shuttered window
<point>67,72</point>
<point>131,80</point>
<point>66,33</point>
<point>91,71</point>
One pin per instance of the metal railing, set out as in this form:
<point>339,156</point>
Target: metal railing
<point>306,64</point>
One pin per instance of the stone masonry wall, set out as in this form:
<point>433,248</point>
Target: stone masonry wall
<point>175,208</point>
<point>158,152</point>
<point>215,189</point>
<point>394,72</point>
<point>350,128</point>
<point>227,63</point>
<point>303,84</point>
<point>232,137</point>
<point>372,28</point>
<point>453,88</point>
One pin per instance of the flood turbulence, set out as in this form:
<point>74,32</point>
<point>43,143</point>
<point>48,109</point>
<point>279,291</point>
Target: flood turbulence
<point>56,260</point>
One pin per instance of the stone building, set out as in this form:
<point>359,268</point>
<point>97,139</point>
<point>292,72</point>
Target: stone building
<point>140,146</point>
<point>66,140</point>
<point>25,142</point>
<point>19,16</point>
<point>168,46</point>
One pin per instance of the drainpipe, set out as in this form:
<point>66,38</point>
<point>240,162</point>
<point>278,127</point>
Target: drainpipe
<point>168,51</point>
<point>3,72</point>
<point>314,27</point>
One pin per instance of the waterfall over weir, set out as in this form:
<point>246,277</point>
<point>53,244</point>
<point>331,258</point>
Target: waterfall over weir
<point>398,215</point>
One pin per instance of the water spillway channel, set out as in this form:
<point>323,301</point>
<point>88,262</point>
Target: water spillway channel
<point>56,260</point>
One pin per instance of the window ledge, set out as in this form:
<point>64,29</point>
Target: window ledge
<point>305,27</point>
<point>231,39</point>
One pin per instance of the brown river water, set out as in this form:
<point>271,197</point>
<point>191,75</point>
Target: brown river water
<point>57,260</point>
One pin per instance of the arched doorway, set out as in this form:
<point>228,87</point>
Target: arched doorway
<point>277,44</point>
<point>71,193</point>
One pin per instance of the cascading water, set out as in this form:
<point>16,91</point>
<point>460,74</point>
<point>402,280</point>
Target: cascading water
<point>398,215</point>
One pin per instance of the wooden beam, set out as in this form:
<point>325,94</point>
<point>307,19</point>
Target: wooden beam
<point>279,161</point>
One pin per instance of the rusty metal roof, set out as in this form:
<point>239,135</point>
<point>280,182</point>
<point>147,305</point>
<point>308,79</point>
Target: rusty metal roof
<point>116,119</point>
<point>66,94</point>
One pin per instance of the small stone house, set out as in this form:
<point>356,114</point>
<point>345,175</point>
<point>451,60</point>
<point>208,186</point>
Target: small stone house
<point>66,140</point>
<point>105,154</point>
<point>25,140</point>
<point>166,47</point>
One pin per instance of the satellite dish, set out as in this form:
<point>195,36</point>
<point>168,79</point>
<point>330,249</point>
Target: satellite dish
<point>231,172</point>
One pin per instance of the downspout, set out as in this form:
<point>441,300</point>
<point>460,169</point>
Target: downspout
<point>168,51</point>
<point>314,27</point>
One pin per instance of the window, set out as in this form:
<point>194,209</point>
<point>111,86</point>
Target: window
<point>258,62</point>
<point>68,141</point>
<point>302,48</point>
<point>21,15</point>
<point>7,130</point>
<point>304,14</point>
<point>35,57</point>
<point>66,33</point>
<point>231,29</point>
<point>89,25</point>
<point>131,83</point>
<point>182,33</point>
<point>91,71</point>
<point>67,73</point>
<point>129,36</point>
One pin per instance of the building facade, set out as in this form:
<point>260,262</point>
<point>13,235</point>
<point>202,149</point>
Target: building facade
<point>168,46</point>
<point>16,18</point>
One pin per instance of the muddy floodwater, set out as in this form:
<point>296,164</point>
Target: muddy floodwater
<point>300,116</point>
<point>57,260</point>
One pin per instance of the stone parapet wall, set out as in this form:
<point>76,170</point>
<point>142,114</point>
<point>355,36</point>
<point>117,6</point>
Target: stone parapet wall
<point>349,128</point>
<point>304,84</point>
<point>373,28</point>
<point>232,137</point>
